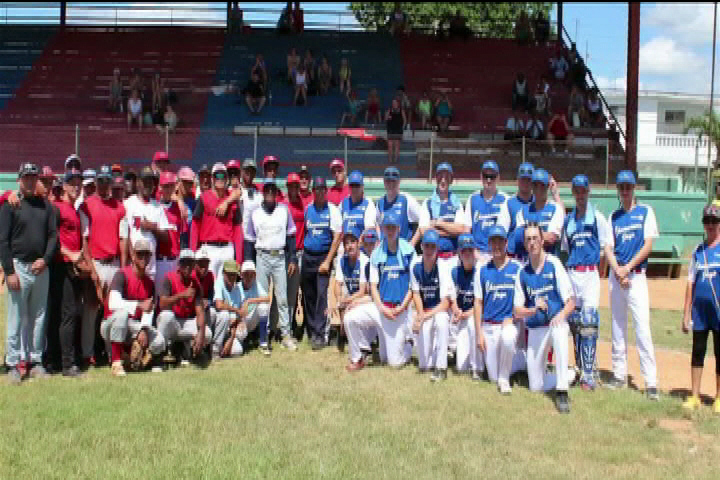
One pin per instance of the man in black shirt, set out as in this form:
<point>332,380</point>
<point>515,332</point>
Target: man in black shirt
<point>28,240</point>
<point>255,94</point>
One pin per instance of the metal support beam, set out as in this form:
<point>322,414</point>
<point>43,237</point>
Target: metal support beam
<point>63,13</point>
<point>559,20</point>
<point>633,66</point>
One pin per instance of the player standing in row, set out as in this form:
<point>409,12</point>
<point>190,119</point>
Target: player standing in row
<point>271,165</point>
<point>485,209</point>
<point>340,191</point>
<point>494,323</point>
<point>429,285</point>
<point>549,214</point>
<point>404,205</point>
<point>390,288</point>
<point>585,235</point>
<point>543,297</point>
<point>523,196</point>
<point>634,227</point>
<point>296,205</point>
<point>168,250</point>
<point>358,210</point>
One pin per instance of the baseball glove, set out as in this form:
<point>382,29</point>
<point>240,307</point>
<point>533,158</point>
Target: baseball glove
<point>139,358</point>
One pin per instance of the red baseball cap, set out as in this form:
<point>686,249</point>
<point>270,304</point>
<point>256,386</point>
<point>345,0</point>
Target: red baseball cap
<point>270,159</point>
<point>117,167</point>
<point>292,178</point>
<point>233,164</point>
<point>337,162</point>
<point>47,172</point>
<point>167,178</point>
<point>186,173</point>
<point>160,157</point>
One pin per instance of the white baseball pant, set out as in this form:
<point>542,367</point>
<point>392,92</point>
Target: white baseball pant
<point>179,329</point>
<point>218,255</point>
<point>636,299</point>
<point>466,352</point>
<point>162,268</point>
<point>393,339</point>
<point>432,342</point>
<point>586,287</point>
<point>361,327</point>
<point>501,356</point>
<point>105,272</point>
<point>540,339</point>
<point>224,318</point>
<point>119,327</point>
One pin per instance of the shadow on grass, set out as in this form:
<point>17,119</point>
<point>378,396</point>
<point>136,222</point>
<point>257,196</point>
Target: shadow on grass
<point>683,393</point>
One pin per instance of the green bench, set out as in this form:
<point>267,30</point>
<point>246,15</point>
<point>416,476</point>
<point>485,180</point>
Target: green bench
<point>667,250</point>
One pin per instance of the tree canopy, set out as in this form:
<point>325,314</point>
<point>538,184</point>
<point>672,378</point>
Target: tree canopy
<point>492,19</point>
<point>708,125</point>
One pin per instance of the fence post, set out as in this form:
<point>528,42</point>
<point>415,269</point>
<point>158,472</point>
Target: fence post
<point>697,159</point>
<point>255,143</point>
<point>347,162</point>
<point>523,149</point>
<point>607,162</point>
<point>167,139</point>
<point>77,139</point>
<point>432,145</point>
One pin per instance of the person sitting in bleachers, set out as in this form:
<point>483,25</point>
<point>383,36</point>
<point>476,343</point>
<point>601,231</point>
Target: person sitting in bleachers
<point>134,110</point>
<point>542,28</point>
<point>115,103</point>
<point>324,76</point>
<point>576,107</point>
<point>373,108</point>
<point>424,110</point>
<point>344,74</point>
<point>293,61</point>
<point>170,119</point>
<point>541,101</point>
<point>593,110</point>
<point>559,65</point>
<point>352,109</point>
<point>559,131</point>
<point>405,104</point>
<point>254,94</point>
<point>443,112</point>
<point>523,32</point>
<point>520,93</point>
<point>301,85</point>
<point>309,64</point>
<point>137,83</point>
<point>577,69</point>
<point>458,27</point>
<point>398,21</point>
<point>534,129</point>
<point>514,127</point>
<point>260,68</point>
<point>158,98</point>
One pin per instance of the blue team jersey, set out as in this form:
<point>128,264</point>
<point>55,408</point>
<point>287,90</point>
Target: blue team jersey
<point>547,284</point>
<point>351,274</point>
<point>393,270</point>
<point>583,239</point>
<point>515,204</point>
<point>483,215</point>
<point>428,283</point>
<point>447,214</point>
<point>464,283</point>
<point>400,206</point>
<point>516,245</point>
<point>498,289</point>
<point>318,235</point>
<point>543,217</point>
<point>629,231</point>
<point>355,214</point>
<point>704,270</point>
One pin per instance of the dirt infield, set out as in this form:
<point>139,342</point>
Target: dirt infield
<point>665,293</point>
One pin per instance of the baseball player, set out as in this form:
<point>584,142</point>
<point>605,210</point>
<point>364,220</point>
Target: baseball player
<point>204,277</point>
<point>296,205</point>
<point>485,209</point>
<point>390,289</point>
<point>494,323</point>
<point>462,301</point>
<point>222,235</point>
<point>340,191</point>
<point>443,212</point>
<point>429,284</point>
<point>168,251</point>
<point>523,196</point>
<point>129,309</point>
<point>585,235</point>
<point>353,303</point>
<point>634,228</point>
<point>359,210</point>
<point>271,166</point>
<point>368,242</point>
<point>406,208</point>
<point>549,213</point>
<point>543,297</point>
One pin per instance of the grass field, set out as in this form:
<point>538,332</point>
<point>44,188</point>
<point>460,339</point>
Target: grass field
<point>300,415</point>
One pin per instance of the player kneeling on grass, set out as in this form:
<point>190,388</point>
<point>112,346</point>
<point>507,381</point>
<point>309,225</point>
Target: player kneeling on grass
<point>494,292</point>
<point>543,297</point>
<point>430,295</point>
<point>462,301</point>
<point>182,316</point>
<point>129,310</point>
<point>701,305</point>
<point>242,308</point>
<point>354,305</point>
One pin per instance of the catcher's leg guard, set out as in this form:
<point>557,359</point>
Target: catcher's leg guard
<point>575,323</point>
<point>588,341</point>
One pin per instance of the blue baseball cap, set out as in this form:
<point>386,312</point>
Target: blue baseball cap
<point>104,173</point>
<point>350,227</point>
<point>431,237</point>
<point>525,170</point>
<point>444,167</point>
<point>497,231</point>
<point>370,235</point>
<point>392,173</point>
<point>466,240</point>
<point>72,173</point>
<point>581,181</point>
<point>625,176</point>
<point>491,165</point>
<point>541,175</point>
<point>391,218</point>
<point>356,178</point>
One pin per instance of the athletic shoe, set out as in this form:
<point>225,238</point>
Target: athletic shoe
<point>38,371</point>
<point>716,406</point>
<point>156,369</point>
<point>587,386</point>
<point>117,370</point>
<point>504,386</point>
<point>264,349</point>
<point>14,376</point>
<point>317,343</point>
<point>355,366</point>
<point>615,384</point>
<point>562,402</point>
<point>289,343</point>
<point>652,393</point>
<point>438,375</point>
<point>184,363</point>
<point>476,376</point>
<point>72,372</point>
<point>692,403</point>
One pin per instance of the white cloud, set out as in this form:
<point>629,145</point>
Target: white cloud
<point>663,56</point>
<point>688,23</point>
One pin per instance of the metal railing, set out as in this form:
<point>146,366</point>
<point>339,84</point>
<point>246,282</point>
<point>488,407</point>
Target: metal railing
<point>680,140</point>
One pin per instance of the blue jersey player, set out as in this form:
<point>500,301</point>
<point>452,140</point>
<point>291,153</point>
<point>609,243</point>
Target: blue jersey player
<point>462,302</point>
<point>402,204</point>
<point>548,213</point>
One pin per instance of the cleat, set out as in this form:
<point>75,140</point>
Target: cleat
<point>652,394</point>
<point>117,370</point>
<point>14,376</point>
<point>504,386</point>
<point>264,349</point>
<point>615,384</point>
<point>438,375</point>
<point>72,372</point>
<point>289,343</point>
<point>355,366</point>
<point>38,371</point>
<point>716,406</point>
<point>692,403</point>
<point>476,376</point>
<point>562,402</point>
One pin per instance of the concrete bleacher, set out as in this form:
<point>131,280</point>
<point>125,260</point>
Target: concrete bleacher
<point>19,48</point>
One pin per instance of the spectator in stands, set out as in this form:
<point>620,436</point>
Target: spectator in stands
<point>541,101</point>
<point>542,28</point>
<point>352,109</point>
<point>577,69</point>
<point>372,107</point>
<point>576,107</point>
<point>344,74</point>
<point>514,127</point>
<point>458,27</point>
<point>534,129</point>
<point>135,110</point>
<point>115,103</point>
<point>324,76</point>
<point>559,131</point>
<point>443,112</point>
<point>254,94</point>
<point>395,120</point>
<point>520,93</point>
<point>260,69</point>
<point>523,32</point>
<point>405,104</point>
<point>293,61</point>
<point>157,95</point>
<point>137,83</point>
<point>170,119</point>
<point>424,110</point>
<point>301,85</point>
<point>309,64</point>
<point>559,65</point>
<point>398,22</point>
<point>593,110</point>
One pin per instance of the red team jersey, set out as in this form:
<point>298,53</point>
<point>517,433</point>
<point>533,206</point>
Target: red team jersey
<point>174,284</point>
<point>206,284</point>
<point>171,248</point>
<point>104,217</point>
<point>131,287</point>
<point>337,195</point>
<point>208,228</point>
<point>297,211</point>
<point>69,231</point>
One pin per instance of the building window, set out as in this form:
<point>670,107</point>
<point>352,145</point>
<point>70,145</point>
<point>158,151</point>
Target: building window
<point>675,116</point>
<point>618,110</point>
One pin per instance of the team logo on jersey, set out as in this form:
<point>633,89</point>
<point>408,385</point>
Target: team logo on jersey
<point>636,217</point>
<point>549,276</point>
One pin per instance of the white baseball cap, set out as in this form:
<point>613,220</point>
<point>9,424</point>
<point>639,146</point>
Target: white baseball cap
<point>218,167</point>
<point>202,254</point>
<point>142,245</point>
<point>186,254</point>
<point>247,266</point>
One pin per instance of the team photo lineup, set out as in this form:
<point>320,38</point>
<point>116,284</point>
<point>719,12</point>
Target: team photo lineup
<point>176,268</point>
